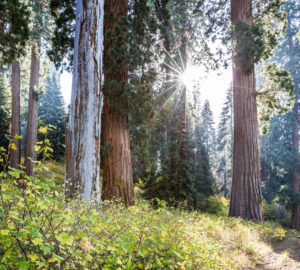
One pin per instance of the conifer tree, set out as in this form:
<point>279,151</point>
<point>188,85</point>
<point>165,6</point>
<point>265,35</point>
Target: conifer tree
<point>288,55</point>
<point>4,111</point>
<point>254,39</point>
<point>14,30</point>
<point>84,126</point>
<point>208,132</point>
<point>52,112</point>
<point>128,78</point>
<point>203,178</point>
<point>14,34</point>
<point>224,142</point>
<point>38,31</point>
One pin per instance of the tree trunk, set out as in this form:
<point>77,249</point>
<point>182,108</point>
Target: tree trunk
<point>245,198</point>
<point>295,222</point>
<point>117,165</point>
<point>32,119</point>
<point>15,155</point>
<point>84,127</point>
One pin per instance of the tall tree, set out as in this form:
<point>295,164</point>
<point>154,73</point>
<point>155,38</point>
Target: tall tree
<point>4,111</point>
<point>255,38</point>
<point>84,127</point>
<point>288,56</point>
<point>245,198</point>
<point>208,132</point>
<point>38,7</point>
<point>15,156</point>
<point>117,164</point>
<point>14,35</point>
<point>224,141</point>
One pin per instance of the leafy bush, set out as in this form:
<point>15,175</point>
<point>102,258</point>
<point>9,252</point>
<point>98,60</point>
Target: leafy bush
<point>41,230</point>
<point>276,213</point>
<point>214,205</point>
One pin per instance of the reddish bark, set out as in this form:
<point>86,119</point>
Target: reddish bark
<point>117,164</point>
<point>15,155</point>
<point>32,119</point>
<point>245,198</point>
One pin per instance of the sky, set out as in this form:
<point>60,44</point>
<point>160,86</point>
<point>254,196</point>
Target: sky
<point>213,87</point>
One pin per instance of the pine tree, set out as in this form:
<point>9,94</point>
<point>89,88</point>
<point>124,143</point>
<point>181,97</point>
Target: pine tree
<point>288,55</point>
<point>128,77</point>
<point>39,30</point>
<point>277,159</point>
<point>224,142</point>
<point>4,111</point>
<point>61,52</point>
<point>52,112</point>
<point>208,132</point>
<point>14,30</point>
<point>14,34</point>
<point>254,40</point>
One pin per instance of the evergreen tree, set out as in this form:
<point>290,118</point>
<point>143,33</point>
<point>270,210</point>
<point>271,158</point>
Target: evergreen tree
<point>254,39</point>
<point>4,111</point>
<point>52,112</point>
<point>83,134</point>
<point>277,158</point>
<point>208,132</point>
<point>288,56</point>
<point>14,29</point>
<point>224,143</point>
<point>61,52</point>
<point>203,178</point>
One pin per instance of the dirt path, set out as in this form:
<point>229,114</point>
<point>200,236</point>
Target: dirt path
<point>285,256</point>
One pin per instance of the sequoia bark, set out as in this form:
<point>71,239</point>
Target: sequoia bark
<point>117,164</point>
<point>15,155</point>
<point>246,197</point>
<point>32,119</point>
<point>84,127</point>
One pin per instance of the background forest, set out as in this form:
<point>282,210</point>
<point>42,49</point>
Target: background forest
<point>136,172</point>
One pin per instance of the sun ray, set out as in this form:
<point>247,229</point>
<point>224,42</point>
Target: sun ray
<point>180,68</point>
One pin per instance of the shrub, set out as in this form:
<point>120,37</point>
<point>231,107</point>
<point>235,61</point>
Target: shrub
<point>214,205</point>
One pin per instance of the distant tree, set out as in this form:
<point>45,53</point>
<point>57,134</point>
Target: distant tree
<point>14,34</point>
<point>277,159</point>
<point>208,132</point>
<point>4,111</point>
<point>203,177</point>
<point>39,30</point>
<point>224,141</point>
<point>288,56</point>
<point>52,112</point>
<point>84,126</point>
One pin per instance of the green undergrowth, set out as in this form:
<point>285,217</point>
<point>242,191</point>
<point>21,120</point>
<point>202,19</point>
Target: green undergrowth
<point>39,230</point>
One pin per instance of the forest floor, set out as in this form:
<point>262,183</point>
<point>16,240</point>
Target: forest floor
<point>284,256</point>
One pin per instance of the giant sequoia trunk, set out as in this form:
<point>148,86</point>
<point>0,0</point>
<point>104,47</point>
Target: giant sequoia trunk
<point>15,155</point>
<point>84,127</point>
<point>117,165</point>
<point>32,119</point>
<point>245,198</point>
